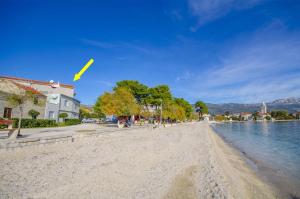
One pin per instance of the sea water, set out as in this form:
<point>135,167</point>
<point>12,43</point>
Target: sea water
<point>273,147</point>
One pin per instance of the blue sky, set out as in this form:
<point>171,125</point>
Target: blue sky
<point>212,50</point>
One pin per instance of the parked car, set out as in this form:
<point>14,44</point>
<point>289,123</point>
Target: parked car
<point>88,120</point>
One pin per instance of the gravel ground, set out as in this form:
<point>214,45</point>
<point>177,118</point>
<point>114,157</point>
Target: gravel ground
<point>184,161</point>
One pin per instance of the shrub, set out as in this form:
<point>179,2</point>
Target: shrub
<point>2,126</point>
<point>268,117</point>
<point>72,122</point>
<point>34,123</point>
<point>33,113</point>
<point>63,116</point>
<point>220,118</point>
<point>235,118</point>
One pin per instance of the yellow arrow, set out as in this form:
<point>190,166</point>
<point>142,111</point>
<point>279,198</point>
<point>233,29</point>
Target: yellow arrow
<point>78,75</point>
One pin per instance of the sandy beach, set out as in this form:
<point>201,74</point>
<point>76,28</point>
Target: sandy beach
<point>183,161</point>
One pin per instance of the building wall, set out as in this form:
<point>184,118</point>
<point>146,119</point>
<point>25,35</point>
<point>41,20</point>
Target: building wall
<point>52,107</point>
<point>26,107</point>
<point>152,108</point>
<point>47,89</point>
<point>2,105</point>
<point>54,100</point>
<point>57,103</point>
<point>70,106</point>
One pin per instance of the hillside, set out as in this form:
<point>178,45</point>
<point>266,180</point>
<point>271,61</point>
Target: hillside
<point>289,104</point>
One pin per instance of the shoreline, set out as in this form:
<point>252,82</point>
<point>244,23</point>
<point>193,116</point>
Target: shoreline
<point>255,121</point>
<point>240,167</point>
<point>284,185</point>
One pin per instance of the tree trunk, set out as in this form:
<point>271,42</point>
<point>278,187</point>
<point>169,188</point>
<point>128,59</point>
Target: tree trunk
<point>200,115</point>
<point>146,104</point>
<point>20,119</point>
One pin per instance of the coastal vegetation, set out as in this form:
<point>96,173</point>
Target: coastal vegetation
<point>257,116</point>
<point>120,102</point>
<point>130,97</point>
<point>85,112</point>
<point>282,115</point>
<point>220,118</point>
<point>203,107</point>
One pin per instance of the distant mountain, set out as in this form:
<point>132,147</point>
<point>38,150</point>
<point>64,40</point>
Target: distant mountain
<point>291,100</point>
<point>290,104</point>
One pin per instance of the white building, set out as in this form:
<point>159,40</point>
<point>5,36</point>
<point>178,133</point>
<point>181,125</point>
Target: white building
<point>246,116</point>
<point>263,108</point>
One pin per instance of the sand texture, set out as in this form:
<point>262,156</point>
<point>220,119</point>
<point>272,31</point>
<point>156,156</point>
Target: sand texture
<point>185,161</point>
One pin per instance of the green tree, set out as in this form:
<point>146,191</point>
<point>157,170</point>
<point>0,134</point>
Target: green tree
<point>63,116</point>
<point>84,112</point>
<point>158,93</point>
<point>202,105</point>
<point>268,118</point>
<point>188,108</point>
<point>281,115</point>
<point>121,102</point>
<point>235,118</point>
<point>138,90</point>
<point>172,110</point>
<point>201,108</point>
<point>220,118</point>
<point>20,100</point>
<point>255,115</point>
<point>33,113</point>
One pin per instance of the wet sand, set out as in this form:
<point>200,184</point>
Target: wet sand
<point>183,161</point>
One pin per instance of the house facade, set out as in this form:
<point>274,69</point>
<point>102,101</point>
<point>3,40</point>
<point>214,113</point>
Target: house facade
<point>60,103</point>
<point>59,97</point>
<point>7,110</point>
<point>152,108</point>
<point>246,116</point>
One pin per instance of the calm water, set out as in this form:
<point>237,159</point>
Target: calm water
<point>274,147</point>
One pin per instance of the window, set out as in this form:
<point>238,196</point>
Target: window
<point>51,114</point>
<point>7,112</point>
<point>35,100</point>
<point>66,103</point>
